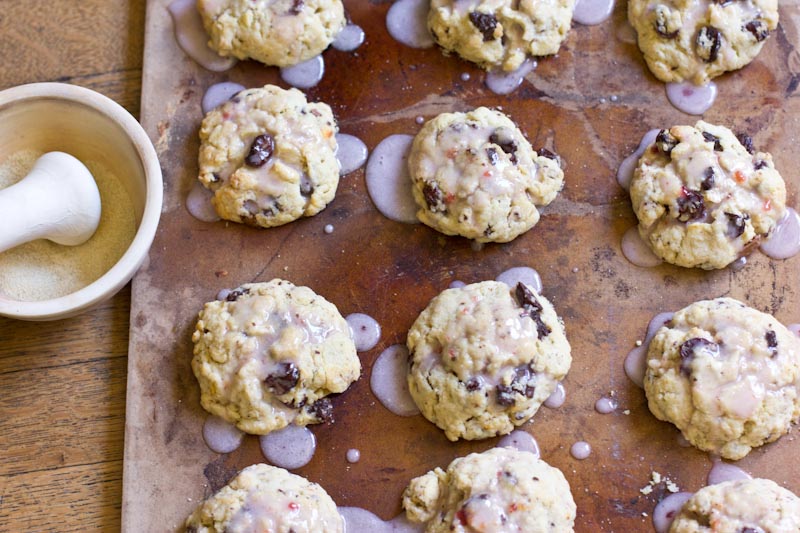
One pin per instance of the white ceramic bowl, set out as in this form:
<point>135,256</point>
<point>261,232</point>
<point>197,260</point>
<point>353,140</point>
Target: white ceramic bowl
<point>60,117</point>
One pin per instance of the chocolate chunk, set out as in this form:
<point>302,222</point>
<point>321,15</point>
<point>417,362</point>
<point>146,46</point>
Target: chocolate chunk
<point>532,308</point>
<point>689,348</point>
<point>236,293</point>
<point>691,206</point>
<point>666,142</point>
<point>473,384</point>
<point>306,187</point>
<point>708,179</point>
<point>736,225</point>
<point>505,396</point>
<point>711,138</point>
<point>505,142</point>
<point>661,23</point>
<point>433,197</point>
<point>747,142</point>
<point>708,43</point>
<point>750,530</point>
<point>758,28</point>
<point>283,379</point>
<point>485,22</point>
<point>261,150</point>
<point>322,410</point>
<point>297,7</point>
<point>491,152</point>
<point>772,342</point>
<point>522,384</point>
<point>758,165</point>
<point>544,152</point>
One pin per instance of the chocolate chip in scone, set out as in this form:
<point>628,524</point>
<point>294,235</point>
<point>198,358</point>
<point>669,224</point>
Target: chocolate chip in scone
<point>297,7</point>
<point>502,138</point>
<point>747,142</point>
<point>691,206</point>
<point>758,165</point>
<point>322,410</point>
<point>708,179</point>
<point>474,384</point>
<point>772,342</point>
<point>491,153</point>
<point>708,43</point>
<point>688,351</point>
<point>662,23</point>
<point>666,142</point>
<point>532,308</point>
<point>523,383</point>
<point>485,22</point>
<point>433,196</point>
<point>736,225</point>
<point>711,138</point>
<point>283,379</point>
<point>758,28</point>
<point>235,294</point>
<point>544,152</point>
<point>260,151</point>
<point>306,187</point>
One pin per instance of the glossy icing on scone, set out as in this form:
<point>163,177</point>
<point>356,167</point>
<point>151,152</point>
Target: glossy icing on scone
<point>502,490</point>
<point>500,33</point>
<point>269,156</point>
<point>474,174</point>
<point>267,498</point>
<point>726,375</point>
<point>484,357</point>
<point>697,40</point>
<point>269,354</point>
<point>704,197</point>
<point>275,32</point>
<point>745,505</point>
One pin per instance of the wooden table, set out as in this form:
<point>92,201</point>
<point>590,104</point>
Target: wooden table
<point>62,405</point>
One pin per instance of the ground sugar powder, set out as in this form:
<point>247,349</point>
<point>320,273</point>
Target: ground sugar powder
<point>42,269</point>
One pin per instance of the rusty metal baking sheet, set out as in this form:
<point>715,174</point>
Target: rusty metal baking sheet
<point>390,271</point>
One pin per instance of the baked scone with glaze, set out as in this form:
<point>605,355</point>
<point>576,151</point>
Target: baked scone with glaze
<point>697,40</point>
<point>269,156</point>
<point>484,357</point>
<point>500,490</point>
<point>269,354</point>
<point>267,498</point>
<point>474,174</point>
<point>745,505</point>
<point>279,33</point>
<point>500,34</point>
<point>726,375</point>
<point>705,197</point>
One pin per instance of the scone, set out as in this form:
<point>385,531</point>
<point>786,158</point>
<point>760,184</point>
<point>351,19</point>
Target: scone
<point>745,505</point>
<point>697,40</point>
<point>500,490</point>
<point>475,175</point>
<point>483,358</point>
<point>269,156</point>
<point>500,34</point>
<point>704,197</point>
<point>269,354</point>
<point>726,375</point>
<point>267,498</point>
<point>280,33</point>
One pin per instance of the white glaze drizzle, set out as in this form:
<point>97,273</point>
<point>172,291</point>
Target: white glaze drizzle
<point>526,275</point>
<point>794,328</point>
<point>722,471</point>
<point>388,179</point>
<point>636,360</point>
<point>198,203</point>
<point>628,165</point>
<point>592,12</point>
<point>192,37</point>
<point>520,440</point>
<point>636,250</point>
<point>351,152</point>
<point>359,520</point>
<point>306,74</point>
<point>500,82</point>
<point>407,22</point>
<point>366,331</point>
<point>784,242</point>
<point>219,93</point>
<point>691,99</point>
<point>739,264</point>
<point>457,284</point>
<point>349,39</point>
<point>667,509</point>
<point>557,399</point>
<point>290,447</point>
<point>389,382</point>
<point>580,450</point>
<point>220,435</point>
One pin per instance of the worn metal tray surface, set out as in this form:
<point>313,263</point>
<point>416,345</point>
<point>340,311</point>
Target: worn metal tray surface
<point>390,270</point>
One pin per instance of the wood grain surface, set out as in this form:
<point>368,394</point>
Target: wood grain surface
<point>390,271</point>
<point>62,403</point>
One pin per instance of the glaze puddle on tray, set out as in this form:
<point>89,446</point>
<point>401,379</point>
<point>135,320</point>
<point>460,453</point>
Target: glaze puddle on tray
<point>580,450</point>
<point>198,203</point>
<point>636,250</point>
<point>636,360</point>
<point>366,331</point>
<point>785,239</point>
<point>667,509</point>
<point>353,455</point>
<point>520,440</point>
<point>306,74</point>
<point>192,37</point>
<point>592,12</point>
<point>557,399</point>
<point>389,383</point>
<point>628,165</point>
<point>351,152</point>
<point>290,447</point>
<point>691,99</point>
<point>219,93</point>
<point>388,179</point>
<point>407,22</point>
<point>220,435</point>
<point>605,405</point>
<point>500,82</point>
<point>359,520</point>
<point>722,472</point>
<point>526,275</point>
<point>349,39</point>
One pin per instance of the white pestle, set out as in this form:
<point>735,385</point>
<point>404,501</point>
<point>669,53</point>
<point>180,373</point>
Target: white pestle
<point>58,200</point>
